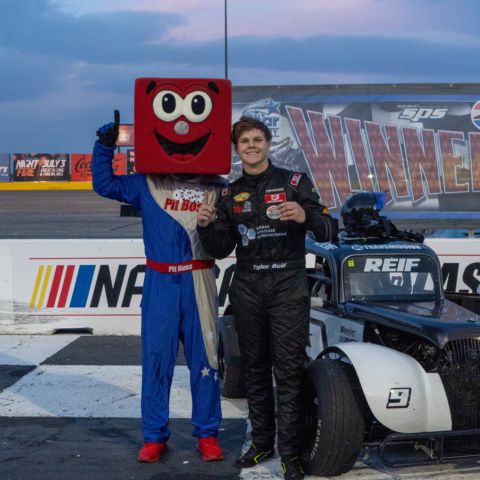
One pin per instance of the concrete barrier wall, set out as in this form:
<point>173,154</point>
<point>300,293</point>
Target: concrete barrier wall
<point>51,285</point>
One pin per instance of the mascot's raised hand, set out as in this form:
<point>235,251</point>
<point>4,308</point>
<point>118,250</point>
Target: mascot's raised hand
<point>108,133</point>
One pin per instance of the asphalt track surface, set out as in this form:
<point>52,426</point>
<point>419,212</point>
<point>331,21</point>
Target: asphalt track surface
<point>63,214</point>
<point>69,404</point>
<point>73,413</point>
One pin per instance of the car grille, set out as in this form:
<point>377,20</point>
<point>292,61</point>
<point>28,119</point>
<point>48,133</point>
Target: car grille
<point>460,374</point>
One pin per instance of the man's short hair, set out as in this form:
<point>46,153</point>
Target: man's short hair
<point>249,123</point>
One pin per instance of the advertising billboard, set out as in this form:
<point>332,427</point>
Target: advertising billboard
<point>125,135</point>
<point>81,167</point>
<point>130,161</point>
<point>40,167</point>
<point>4,167</point>
<point>419,143</point>
<point>119,164</point>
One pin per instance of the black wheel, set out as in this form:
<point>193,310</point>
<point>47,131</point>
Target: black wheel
<point>335,425</point>
<point>230,361</point>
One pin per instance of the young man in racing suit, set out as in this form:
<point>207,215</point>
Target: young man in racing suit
<point>265,214</point>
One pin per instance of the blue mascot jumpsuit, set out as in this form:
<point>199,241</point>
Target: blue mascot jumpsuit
<point>179,293</point>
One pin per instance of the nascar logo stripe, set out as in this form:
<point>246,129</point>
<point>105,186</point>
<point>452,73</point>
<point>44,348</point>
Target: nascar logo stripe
<point>57,276</point>
<point>66,286</point>
<point>45,284</point>
<point>36,285</point>
<point>40,287</point>
<point>81,286</point>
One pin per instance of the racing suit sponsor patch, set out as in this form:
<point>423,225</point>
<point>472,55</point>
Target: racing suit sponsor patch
<point>295,180</point>
<point>267,231</point>
<point>275,197</point>
<point>242,208</point>
<point>278,189</point>
<point>241,197</point>
<point>273,212</point>
<point>246,233</point>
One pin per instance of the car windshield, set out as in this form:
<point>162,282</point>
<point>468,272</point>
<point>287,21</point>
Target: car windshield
<point>390,277</point>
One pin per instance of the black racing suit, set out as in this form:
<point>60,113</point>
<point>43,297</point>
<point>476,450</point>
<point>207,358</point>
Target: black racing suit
<point>269,292</point>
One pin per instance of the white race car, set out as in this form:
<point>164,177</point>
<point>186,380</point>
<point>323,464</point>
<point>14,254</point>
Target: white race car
<point>392,360</point>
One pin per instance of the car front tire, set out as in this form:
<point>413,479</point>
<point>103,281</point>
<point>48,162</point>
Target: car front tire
<point>335,425</point>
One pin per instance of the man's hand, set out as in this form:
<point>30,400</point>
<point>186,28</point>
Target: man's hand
<point>206,215</point>
<point>108,134</point>
<point>292,211</point>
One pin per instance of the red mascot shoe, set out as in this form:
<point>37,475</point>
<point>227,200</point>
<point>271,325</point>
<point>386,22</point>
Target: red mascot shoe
<point>210,449</point>
<point>152,451</point>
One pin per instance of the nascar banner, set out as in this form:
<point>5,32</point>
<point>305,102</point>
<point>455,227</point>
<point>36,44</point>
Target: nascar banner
<point>419,143</point>
<point>40,167</point>
<point>4,167</point>
<point>49,285</point>
<point>460,259</point>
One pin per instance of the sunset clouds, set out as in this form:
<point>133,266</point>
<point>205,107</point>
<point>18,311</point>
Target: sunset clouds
<point>65,64</point>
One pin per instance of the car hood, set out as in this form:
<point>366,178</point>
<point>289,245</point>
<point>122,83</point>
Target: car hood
<point>438,322</point>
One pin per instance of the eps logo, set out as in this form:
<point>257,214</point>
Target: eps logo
<point>415,114</point>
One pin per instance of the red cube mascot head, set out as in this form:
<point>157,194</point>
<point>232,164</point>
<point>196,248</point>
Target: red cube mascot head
<point>182,125</point>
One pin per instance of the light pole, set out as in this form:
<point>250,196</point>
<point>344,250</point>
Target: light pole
<point>226,42</point>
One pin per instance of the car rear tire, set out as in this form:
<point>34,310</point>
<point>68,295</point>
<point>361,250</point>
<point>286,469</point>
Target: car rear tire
<point>230,361</point>
<point>335,425</point>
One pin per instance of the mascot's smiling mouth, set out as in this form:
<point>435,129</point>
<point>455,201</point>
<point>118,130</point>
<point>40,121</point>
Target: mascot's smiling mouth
<point>182,151</point>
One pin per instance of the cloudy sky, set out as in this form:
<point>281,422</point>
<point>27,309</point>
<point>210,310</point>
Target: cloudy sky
<point>66,64</point>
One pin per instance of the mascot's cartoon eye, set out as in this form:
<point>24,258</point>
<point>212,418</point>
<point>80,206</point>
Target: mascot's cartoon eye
<point>168,105</point>
<point>197,106</point>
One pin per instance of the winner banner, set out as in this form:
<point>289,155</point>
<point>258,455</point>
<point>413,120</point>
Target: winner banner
<point>419,143</point>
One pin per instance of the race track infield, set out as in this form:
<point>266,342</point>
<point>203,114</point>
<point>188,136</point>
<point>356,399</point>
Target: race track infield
<point>70,409</point>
